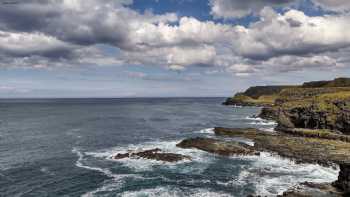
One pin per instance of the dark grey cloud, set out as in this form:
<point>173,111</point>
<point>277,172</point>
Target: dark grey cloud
<point>79,22</point>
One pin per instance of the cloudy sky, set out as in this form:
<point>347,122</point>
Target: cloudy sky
<point>150,48</point>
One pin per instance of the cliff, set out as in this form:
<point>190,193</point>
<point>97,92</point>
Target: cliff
<point>338,82</point>
<point>256,96</point>
<point>313,105</point>
<point>318,112</point>
<point>272,95</point>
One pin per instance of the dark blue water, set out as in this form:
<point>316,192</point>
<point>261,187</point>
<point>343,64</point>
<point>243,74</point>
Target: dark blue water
<point>62,147</point>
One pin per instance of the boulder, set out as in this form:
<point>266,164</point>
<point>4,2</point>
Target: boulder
<point>343,181</point>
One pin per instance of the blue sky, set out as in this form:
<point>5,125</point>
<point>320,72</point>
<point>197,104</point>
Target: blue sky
<point>168,48</point>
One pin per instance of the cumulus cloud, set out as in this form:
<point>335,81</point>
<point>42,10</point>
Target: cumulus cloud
<point>237,8</point>
<point>29,44</point>
<point>294,63</point>
<point>334,5</point>
<point>293,33</point>
<point>42,33</point>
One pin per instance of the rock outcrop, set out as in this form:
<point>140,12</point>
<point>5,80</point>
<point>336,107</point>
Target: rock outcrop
<point>343,181</point>
<point>308,189</point>
<point>324,111</point>
<point>217,146</point>
<point>269,113</point>
<point>152,154</point>
<point>313,105</point>
<point>323,147</point>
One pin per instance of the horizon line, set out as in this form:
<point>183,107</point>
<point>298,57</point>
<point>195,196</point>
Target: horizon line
<point>136,97</point>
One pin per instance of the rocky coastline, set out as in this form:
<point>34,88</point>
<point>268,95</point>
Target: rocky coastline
<point>301,149</point>
<point>313,126</point>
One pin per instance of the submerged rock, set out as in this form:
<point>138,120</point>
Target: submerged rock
<point>153,154</point>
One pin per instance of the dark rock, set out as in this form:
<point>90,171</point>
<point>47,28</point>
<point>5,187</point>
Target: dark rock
<point>235,131</point>
<point>310,117</point>
<point>309,189</point>
<point>284,121</point>
<point>269,113</point>
<point>153,154</point>
<point>315,133</point>
<point>343,181</point>
<point>121,156</point>
<point>219,147</point>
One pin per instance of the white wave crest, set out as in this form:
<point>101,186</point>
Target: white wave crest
<point>172,192</point>
<point>206,131</point>
<point>79,163</point>
<point>141,164</point>
<point>272,175</point>
<point>271,129</point>
<point>260,121</point>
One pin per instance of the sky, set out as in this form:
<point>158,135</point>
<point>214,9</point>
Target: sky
<point>168,48</point>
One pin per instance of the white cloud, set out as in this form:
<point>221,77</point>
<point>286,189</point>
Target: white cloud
<point>71,32</point>
<point>277,35</point>
<point>237,8</point>
<point>334,5</point>
<point>23,44</point>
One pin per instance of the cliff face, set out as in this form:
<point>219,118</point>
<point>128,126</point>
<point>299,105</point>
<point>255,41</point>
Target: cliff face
<point>322,111</point>
<point>313,105</point>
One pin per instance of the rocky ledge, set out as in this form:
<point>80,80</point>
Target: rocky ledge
<point>152,154</point>
<point>217,146</point>
<point>313,189</point>
<point>296,146</point>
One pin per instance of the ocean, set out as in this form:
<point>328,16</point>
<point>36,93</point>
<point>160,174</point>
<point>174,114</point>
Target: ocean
<point>63,147</point>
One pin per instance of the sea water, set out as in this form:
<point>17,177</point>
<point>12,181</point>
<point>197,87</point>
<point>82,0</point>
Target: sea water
<point>63,147</point>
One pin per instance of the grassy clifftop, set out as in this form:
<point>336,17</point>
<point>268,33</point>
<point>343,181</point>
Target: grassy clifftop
<point>272,95</point>
<point>257,96</point>
<point>338,82</point>
<point>258,91</point>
